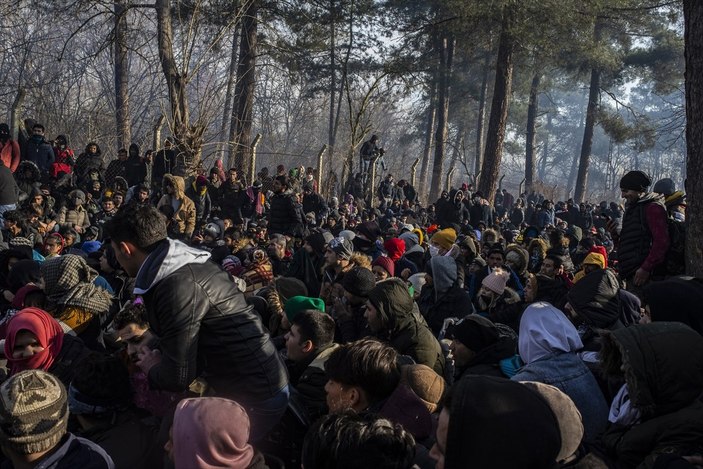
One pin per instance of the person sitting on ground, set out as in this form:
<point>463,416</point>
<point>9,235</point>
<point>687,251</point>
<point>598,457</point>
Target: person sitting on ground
<point>211,432</point>
<point>309,344</point>
<point>348,311</point>
<point>480,348</point>
<point>497,301</point>
<point>548,344</point>
<point>393,316</point>
<point>442,297</point>
<point>99,397</point>
<point>34,426</point>
<point>351,441</point>
<point>36,341</point>
<point>483,413</point>
<point>364,376</point>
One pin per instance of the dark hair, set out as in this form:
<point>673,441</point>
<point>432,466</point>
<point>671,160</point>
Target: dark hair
<point>558,260</point>
<point>103,379</point>
<point>14,216</point>
<point>142,225</point>
<point>368,364</point>
<point>283,180</point>
<point>350,441</point>
<point>315,326</point>
<point>38,126</point>
<point>131,314</point>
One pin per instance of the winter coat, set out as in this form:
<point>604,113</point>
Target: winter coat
<point>39,153</point>
<point>72,217</point>
<point>205,327</point>
<point>10,154</point>
<point>548,343</point>
<point>71,452</point>
<point>183,220</point>
<point>116,168</point>
<point>310,385</point>
<point>285,216</point>
<point>63,162</point>
<point>234,201</point>
<point>663,367</point>
<point>487,361</point>
<point>203,204</point>
<point>9,192</point>
<point>403,327</point>
<point>444,298</point>
<point>637,242</point>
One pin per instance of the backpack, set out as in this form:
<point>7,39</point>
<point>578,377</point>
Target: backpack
<point>675,262</point>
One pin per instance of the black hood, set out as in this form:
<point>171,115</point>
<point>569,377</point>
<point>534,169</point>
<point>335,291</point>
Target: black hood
<point>595,299</point>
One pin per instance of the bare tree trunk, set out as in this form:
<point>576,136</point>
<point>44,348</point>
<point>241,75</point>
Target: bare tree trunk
<point>246,86</point>
<point>429,134</point>
<point>446,57</point>
<point>15,124</point>
<point>481,118</point>
<point>531,135</point>
<point>187,139</point>
<point>574,162</point>
<point>499,109</point>
<point>123,121</point>
<point>331,134</point>
<point>693,20</point>
<point>591,115</point>
<point>545,149</point>
<point>225,135</point>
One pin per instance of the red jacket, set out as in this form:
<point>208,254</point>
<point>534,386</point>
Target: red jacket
<point>10,154</point>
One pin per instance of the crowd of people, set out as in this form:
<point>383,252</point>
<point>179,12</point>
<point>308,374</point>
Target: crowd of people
<point>157,314</point>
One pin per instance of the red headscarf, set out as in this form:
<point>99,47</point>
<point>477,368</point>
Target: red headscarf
<point>49,335</point>
<point>211,432</point>
<point>395,248</point>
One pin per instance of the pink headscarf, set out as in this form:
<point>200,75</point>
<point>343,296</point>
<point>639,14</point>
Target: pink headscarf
<point>210,433</point>
<point>49,335</point>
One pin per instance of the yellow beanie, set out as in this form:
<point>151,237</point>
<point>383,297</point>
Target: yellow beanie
<point>445,238</point>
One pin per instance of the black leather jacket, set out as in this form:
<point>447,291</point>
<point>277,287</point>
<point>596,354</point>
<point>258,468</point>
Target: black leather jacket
<point>205,327</point>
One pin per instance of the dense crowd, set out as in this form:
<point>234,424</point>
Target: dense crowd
<point>159,314</point>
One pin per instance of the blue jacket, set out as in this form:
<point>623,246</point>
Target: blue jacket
<point>567,372</point>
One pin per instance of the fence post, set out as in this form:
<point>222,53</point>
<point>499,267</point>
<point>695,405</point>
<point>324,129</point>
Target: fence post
<point>413,171</point>
<point>319,167</point>
<point>252,168</point>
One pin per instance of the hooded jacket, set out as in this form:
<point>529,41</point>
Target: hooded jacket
<point>206,328</point>
<point>403,327</point>
<point>487,360</point>
<point>548,343</point>
<point>444,298</point>
<point>663,368</point>
<point>676,300</point>
<point>183,220</point>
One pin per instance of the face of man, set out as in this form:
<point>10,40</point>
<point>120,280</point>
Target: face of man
<point>548,268</point>
<point>296,347</point>
<point>631,196</point>
<point>233,176</point>
<point>143,196</point>
<point>461,353</point>
<point>331,258</point>
<point>52,247</point>
<point>373,318</point>
<point>135,336</point>
<point>277,186</point>
<point>128,261</point>
<point>379,272</point>
<point>339,397</point>
<point>530,290</point>
<point>108,206</point>
<point>93,149</point>
<point>495,260</point>
<point>276,250</point>
<point>37,131</point>
<point>122,155</point>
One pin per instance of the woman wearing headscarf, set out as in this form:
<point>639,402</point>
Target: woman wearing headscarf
<point>547,344</point>
<point>211,432</point>
<point>36,341</point>
<point>73,297</point>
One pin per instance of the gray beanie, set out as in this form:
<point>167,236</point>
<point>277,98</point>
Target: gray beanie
<point>33,412</point>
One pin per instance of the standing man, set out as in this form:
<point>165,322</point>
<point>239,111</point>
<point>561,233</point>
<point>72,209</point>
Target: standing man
<point>643,240</point>
<point>369,153</point>
<point>38,150</point>
<point>206,329</point>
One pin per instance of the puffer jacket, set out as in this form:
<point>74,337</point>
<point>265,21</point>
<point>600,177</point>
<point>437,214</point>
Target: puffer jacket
<point>183,221</point>
<point>404,328</point>
<point>285,217</point>
<point>663,368</point>
<point>73,217</point>
<point>206,328</point>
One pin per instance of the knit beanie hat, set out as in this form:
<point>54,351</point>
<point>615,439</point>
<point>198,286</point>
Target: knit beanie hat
<point>476,332</point>
<point>444,238</point>
<point>664,186</point>
<point>298,304</point>
<point>386,263</point>
<point>635,181</point>
<point>425,383</point>
<point>342,247</point>
<point>288,287</point>
<point>395,248</point>
<point>318,240</point>
<point>359,281</point>
<point>496,281</point>
<point>33,412</point>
